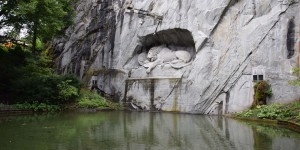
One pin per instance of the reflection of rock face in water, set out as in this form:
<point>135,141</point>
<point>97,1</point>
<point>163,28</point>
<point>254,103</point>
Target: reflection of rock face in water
<point>229,42</point>
<point>177,131</point>
<point>140,130</point>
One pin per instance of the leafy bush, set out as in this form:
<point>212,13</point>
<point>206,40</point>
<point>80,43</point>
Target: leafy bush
<point>48,88</point>
<point>67,91</point>
<point>89,99</point>
<point>86,103</point>
<point>35,106</point>
<point>245,114</point>
<point>74,80</point>
<point>30,78</point>
<point>274,111</point>
<point>262,91</point>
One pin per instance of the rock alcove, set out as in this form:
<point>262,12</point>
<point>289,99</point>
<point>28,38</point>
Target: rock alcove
<point>161,60</point>
<point>166,50</point>
<point>176,37</point>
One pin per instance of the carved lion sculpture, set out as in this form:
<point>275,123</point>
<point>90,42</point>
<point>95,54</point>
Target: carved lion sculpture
<point>163,55</point>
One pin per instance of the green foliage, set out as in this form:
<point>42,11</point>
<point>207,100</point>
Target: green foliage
<point>11,60</point>
<point>9,18</point>
<point>246,114</point>
<point>115,106</point>
<point>296,71</point>
<point>39,45</point>
<point>298,117</point>
<point>42,18</point>
<point>67,91</point>
<point>262,91</point>
<point>73,80</point>
<point>35,106</point>
<point>296,82</point>
<point>275,111</point>
<point>90,99</point>
<point>48,88</point>
<point>3,50</point>
<point>29,78</point>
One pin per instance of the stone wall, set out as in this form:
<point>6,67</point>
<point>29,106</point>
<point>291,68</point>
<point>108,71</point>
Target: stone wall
<point>230,42</point>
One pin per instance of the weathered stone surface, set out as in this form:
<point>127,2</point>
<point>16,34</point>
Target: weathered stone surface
<point>230,42</point>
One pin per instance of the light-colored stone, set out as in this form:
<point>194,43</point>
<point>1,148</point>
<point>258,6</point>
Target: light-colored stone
<point>229,42</point>
<point>162,55</point>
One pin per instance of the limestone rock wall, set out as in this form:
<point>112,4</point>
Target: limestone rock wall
<point>231,43</point>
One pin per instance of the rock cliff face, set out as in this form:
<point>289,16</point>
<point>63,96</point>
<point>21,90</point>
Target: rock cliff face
<point>231,44</point>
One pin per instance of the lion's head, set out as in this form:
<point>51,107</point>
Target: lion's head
<point>152,54</point>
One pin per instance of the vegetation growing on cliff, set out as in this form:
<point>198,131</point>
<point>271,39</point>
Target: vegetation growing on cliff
<point>296,82</point>
<point>286,112</point>
<point>262,91</point>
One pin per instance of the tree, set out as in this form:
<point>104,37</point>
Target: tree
<point>28,75</point>
<point>42,18</point>
<point>7,15</point>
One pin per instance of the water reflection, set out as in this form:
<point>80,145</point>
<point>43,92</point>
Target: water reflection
<point>139,130</point>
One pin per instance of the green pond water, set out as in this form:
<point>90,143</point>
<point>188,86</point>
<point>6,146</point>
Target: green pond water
<point>140,131</point>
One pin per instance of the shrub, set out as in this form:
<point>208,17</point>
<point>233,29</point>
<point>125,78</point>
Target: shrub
<point>89,99</point>
<point>37,82</point>
<point>30,78</point>
<point>67,91</point>
<point>245,114</point>
<point>262,91</point>
<point>274,111</point>
<point>45,88</point>
<point>74,80</point>
<point>35,106</point>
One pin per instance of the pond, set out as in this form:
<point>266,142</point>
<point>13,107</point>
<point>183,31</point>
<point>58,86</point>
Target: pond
<point>140,131</point>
